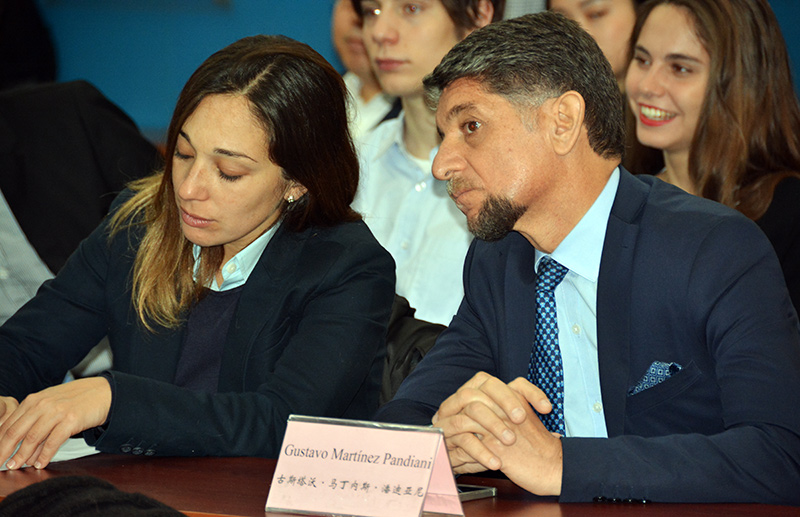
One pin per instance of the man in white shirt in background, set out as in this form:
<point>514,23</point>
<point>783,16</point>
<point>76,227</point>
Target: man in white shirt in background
<point>407,210</point>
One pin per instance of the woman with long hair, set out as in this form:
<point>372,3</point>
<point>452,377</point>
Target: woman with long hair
<point>714,93</point>
<point>236,286</point>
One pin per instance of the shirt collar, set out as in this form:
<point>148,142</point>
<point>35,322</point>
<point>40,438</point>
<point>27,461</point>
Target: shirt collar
<point>582,248</point>
<point>237,270</point>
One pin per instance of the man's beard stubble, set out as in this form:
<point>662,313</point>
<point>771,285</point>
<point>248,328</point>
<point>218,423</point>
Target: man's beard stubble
<point>496,218</point>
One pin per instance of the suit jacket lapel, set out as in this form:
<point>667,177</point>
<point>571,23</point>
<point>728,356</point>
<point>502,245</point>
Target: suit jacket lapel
<point>519,304</point>
<point>614,299</point>
<point>259,305</point>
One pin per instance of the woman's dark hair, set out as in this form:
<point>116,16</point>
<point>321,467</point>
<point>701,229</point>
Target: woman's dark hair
<point>300,101</point>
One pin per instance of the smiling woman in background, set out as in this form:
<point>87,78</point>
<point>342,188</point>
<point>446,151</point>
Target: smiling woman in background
<point>718,100</point>
<point>236,286</point>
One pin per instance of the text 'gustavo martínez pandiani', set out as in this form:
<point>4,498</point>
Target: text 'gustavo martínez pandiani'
<point>357,456</point>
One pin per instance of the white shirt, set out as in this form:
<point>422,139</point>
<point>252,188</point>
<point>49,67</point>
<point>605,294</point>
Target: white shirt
<point>576,314</point>
<point>237,270</point>
<point>411,215</point>
<point>515,8</point>
<point>364,116</point>
<point>21,269</point>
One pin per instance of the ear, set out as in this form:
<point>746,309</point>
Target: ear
<point>568,112</point>
<point>295,190</point>
<point>483,13</point>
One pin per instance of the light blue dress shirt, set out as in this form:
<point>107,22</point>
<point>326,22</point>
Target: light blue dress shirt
<point>21,269</point>
<point>576,306</point>
<point>237,270</point>
<point>411,215</point>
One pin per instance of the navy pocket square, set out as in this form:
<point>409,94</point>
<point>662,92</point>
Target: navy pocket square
<point>657,373</point>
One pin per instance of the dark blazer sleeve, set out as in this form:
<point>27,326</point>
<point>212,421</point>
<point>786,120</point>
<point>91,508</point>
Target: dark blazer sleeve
<point>308,337</point>
<point>464,348</point>
<point>66,151</point>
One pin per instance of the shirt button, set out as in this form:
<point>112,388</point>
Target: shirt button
<point>419,187</point>
<point>404,245</point>
<point>231,268</point>
<point>576,329</point>
<point>598,407</point>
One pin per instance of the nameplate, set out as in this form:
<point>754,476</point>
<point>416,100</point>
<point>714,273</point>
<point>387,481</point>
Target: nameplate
<point>333,466</point>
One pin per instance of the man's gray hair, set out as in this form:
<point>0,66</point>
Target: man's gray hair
<point>537,57</point>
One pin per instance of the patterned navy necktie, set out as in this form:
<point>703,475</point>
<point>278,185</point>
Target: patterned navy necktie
<point>545,370</point>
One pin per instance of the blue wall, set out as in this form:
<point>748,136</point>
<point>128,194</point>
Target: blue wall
<point>141,52</point>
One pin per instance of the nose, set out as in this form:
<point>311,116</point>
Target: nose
<point>382,28</point>
<point>190,182</point>
<point>447,162</point>
<point>651,82</point>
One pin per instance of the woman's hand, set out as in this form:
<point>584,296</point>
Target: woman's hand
<point>7,406</point>
<point>45,420</point>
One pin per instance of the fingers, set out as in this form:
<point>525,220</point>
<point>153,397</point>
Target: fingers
<point>39,436</point>
<point>45,420</point>
<point>7,406</point>
<point>466,450</point>
<point>532,394</point>
<point>487,390</point>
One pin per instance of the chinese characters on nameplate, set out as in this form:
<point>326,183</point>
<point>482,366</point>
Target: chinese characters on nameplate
<point>348,467</point>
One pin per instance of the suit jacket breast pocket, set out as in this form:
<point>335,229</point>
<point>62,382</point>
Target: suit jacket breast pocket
<point>664,391</point>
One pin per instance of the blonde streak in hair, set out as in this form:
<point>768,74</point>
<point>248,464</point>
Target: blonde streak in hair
<point>162,254</point>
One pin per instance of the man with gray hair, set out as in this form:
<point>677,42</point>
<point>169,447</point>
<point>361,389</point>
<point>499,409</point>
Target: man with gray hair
<point>619,339</point>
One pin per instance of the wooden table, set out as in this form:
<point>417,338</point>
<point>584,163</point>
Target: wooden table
<point>238,487</point>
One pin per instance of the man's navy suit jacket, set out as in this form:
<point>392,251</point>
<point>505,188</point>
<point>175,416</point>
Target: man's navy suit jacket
<point>683,280</point>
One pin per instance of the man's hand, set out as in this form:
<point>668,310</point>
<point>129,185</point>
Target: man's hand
<point>535,460</point>
<point>485,407</point>
<point>45,420</point>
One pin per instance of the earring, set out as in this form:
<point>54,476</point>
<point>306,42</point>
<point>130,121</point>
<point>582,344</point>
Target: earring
<point>290,200</point>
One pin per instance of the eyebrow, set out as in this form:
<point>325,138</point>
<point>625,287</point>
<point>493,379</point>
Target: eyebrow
<point>223,152</point>
<point>458,109</point>
<point>672,56</point>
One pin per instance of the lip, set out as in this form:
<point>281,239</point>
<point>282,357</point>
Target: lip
<point>388,65</point>
<point>193,220</point>
<point>458,197</point>
<point>653,116</point>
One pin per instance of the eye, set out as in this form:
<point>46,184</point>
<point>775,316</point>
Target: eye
<point>411,8</point>
<point>596,14</point>
<point>369,12</point>
<point>227,177</point>
<point>681,70</point>
<point>471,126</point>
<point>641,60</point>
<point>179,155</point>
